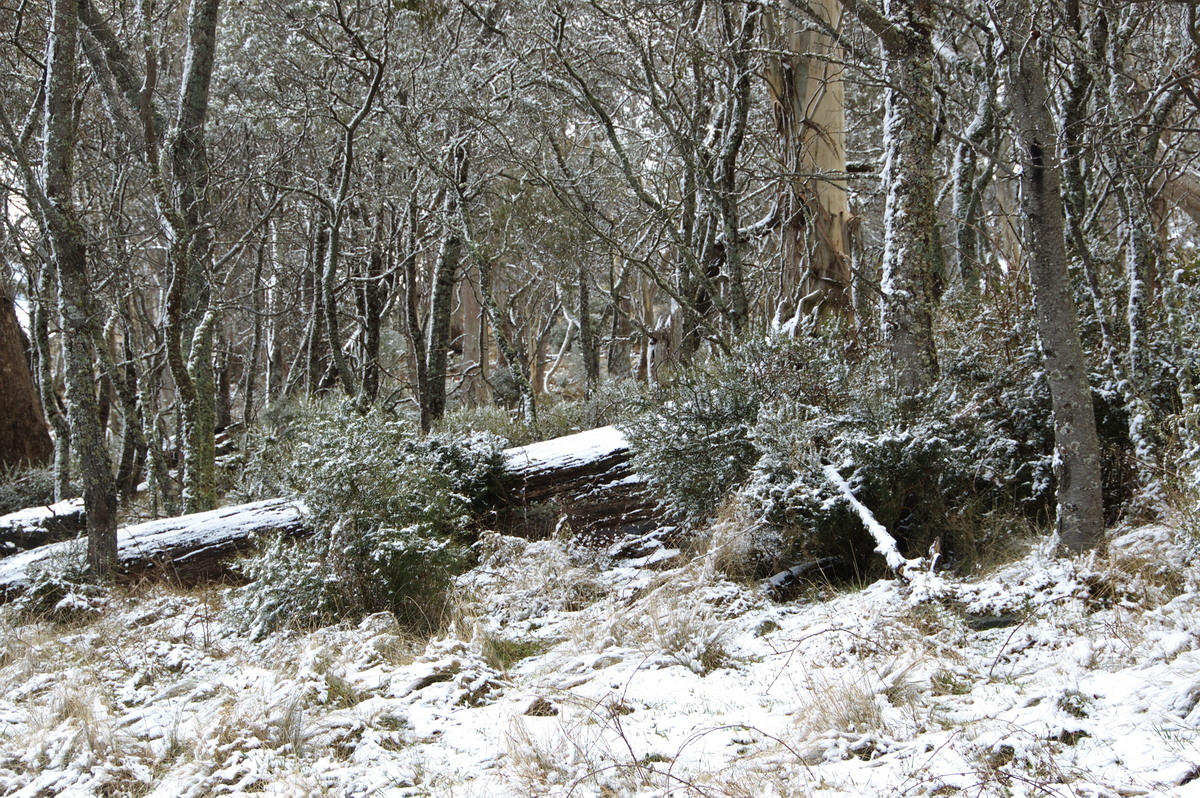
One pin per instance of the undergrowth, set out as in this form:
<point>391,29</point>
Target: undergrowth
<point>392,516</point>
<point>747,440</point>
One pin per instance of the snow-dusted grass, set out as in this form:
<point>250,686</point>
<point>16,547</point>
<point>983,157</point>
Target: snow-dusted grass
<point>564,674</point>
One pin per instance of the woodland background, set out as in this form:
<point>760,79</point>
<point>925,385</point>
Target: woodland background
<point>947,248</point>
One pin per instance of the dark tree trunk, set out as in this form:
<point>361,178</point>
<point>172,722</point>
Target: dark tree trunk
<point>372,296</point>
<point>75,293</point>
<point>1077,451</point>
<point>24,434</point>
<point>441,302</point>
<point>587,334</point>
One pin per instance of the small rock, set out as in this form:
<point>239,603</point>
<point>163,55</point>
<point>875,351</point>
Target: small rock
<point>541,708</point>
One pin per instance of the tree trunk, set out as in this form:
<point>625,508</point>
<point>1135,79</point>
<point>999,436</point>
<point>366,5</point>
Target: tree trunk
<point>418,359</point>
<point>75,293</point>
<point>24,434</point>
<point>441,301</point>
<point>969,186</point>
<point>1077,452</point>
<point>257,311</point>
<point>589,351</point>
<point>806,89</point>
<point>474,342</point>
<point>371,305</point>
<point>912,250</point>
<point>51,403</point>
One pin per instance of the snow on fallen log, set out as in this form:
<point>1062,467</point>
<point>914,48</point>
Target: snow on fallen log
<point>557,461</point>
<point>584,482</point>
<point>187,547</point>
<point>37,526</point>
<point>885,544</point>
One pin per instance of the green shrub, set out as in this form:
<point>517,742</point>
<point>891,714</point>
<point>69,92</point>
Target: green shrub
<point>60,589</point>
<point>691,439</point>
<point>391,512</point>
<point>694,436</point>
<point>754,434</point>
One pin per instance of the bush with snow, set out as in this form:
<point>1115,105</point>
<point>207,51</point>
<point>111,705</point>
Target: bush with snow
<point>392,514</point>
<point>750,436</point>
<point>25,487</point>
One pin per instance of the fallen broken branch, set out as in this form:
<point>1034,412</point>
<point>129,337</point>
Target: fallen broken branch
<point>885,544</point>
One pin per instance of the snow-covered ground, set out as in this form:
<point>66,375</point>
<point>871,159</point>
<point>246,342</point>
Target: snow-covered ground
<point>569,675</point>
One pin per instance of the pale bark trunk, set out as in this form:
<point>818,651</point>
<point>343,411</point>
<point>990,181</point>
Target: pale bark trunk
<point>51,403</point>
<point>473,324</point>
<point>518,365</point>
<point>968,190</point>
<point>441,304</point>
<point>808,94</point>
<point>337,212</point>
<point>512,357</point>
<point>622,283</point>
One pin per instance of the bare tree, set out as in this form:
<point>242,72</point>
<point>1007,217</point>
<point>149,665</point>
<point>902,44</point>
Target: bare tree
<point>1077,450</point>
<point>52,191</point>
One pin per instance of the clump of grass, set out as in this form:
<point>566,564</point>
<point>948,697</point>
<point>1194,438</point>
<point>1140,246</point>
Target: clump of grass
<point>945,681</point>
<point>502,653</point>
<point>691,635</point>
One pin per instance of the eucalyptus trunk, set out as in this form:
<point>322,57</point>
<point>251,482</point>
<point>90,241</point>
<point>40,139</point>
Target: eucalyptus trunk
<point>24,434</point>
<point>804,80</point>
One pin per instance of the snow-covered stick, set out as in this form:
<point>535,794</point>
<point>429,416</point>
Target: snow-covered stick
<point>885,544</point>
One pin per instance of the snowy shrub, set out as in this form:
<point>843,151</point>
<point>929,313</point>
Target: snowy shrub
<point>692,439</point>
<point>940,473</point>
<point>751,436</point>
<point>25,487</point>
<point>391,514</point>
<point>61,590</point>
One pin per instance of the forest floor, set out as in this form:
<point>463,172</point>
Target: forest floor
<point>566,673</point>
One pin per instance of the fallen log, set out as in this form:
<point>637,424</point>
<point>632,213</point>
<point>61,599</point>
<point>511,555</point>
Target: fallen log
<point>37,526</point>
<point>188,547</point>
<point>582,483</point>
